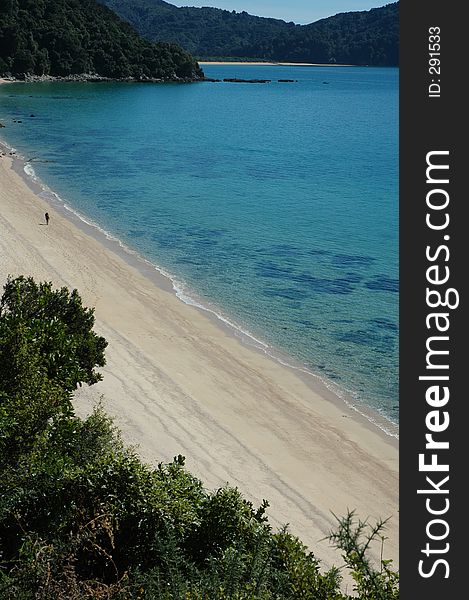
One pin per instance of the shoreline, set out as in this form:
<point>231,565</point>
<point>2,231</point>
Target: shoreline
<point>251,386</point>
<point>168,282</point>
<point>91,78</point>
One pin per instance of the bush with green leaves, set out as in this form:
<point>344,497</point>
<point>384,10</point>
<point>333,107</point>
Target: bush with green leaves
<point>60,331</point>
<point>83,518</point>
<point>47,349</point>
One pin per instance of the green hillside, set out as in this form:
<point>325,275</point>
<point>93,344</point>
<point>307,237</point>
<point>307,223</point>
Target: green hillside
<point>363,38</point>
<point>66,37</point>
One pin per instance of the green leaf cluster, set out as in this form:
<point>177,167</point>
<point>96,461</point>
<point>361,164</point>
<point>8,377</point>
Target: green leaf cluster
<point>66,37</point>
<point>47,349</point>
<point>358,38</point>
<point>83,518</point>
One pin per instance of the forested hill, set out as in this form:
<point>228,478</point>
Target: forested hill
<point>66,37</point>
<point>361,38</point>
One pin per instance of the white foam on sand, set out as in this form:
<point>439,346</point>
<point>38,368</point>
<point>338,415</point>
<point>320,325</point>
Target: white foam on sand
<point>183,293</point>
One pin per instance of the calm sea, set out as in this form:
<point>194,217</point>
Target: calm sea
<point>275,205</point>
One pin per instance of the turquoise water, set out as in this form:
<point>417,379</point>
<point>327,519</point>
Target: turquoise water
<point>276,205</point>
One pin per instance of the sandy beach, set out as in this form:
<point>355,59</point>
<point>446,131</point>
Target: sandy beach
<point>269,64</point>
<point>178,383</point>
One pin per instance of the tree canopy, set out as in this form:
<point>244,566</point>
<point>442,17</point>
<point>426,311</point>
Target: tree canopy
<point>65,37</point>
<point>59,328</point>
<point>359,38</point>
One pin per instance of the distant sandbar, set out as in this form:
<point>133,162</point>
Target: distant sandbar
<point>269,64</point>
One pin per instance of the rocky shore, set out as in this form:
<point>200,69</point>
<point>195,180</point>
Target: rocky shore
<point>93,77</point>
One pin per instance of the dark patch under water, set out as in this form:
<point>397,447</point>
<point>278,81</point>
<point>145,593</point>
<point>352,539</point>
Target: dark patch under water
<point>278,204</point>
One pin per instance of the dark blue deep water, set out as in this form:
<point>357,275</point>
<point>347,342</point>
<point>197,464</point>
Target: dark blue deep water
<point>275,204</point>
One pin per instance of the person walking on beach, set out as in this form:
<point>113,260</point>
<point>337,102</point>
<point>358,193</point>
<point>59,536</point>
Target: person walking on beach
<point>47,218</point>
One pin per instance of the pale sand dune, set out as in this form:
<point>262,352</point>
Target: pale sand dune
<point>178,383</point>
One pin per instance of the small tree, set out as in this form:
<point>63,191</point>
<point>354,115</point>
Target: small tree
<point>354,539</point>
<point>59,328</point>
<point>47,349</point>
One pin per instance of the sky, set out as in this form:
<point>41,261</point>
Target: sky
<point>299,11</point>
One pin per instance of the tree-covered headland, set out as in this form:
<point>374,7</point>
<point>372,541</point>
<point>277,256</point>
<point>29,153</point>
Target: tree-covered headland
<point>70,37</point>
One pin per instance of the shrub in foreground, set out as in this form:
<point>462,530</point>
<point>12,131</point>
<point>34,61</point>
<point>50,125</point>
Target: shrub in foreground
<point>81,517</point>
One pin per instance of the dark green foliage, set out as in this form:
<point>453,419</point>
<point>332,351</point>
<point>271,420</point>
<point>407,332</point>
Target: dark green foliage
<point>47,349</point>
<point>359,38</point>
<point>354,539</point>
<point>82,518</point>
<point>64,37</point>
<point>60,331</point>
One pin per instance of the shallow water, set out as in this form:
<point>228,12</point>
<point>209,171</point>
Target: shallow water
<point>275,204</point>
